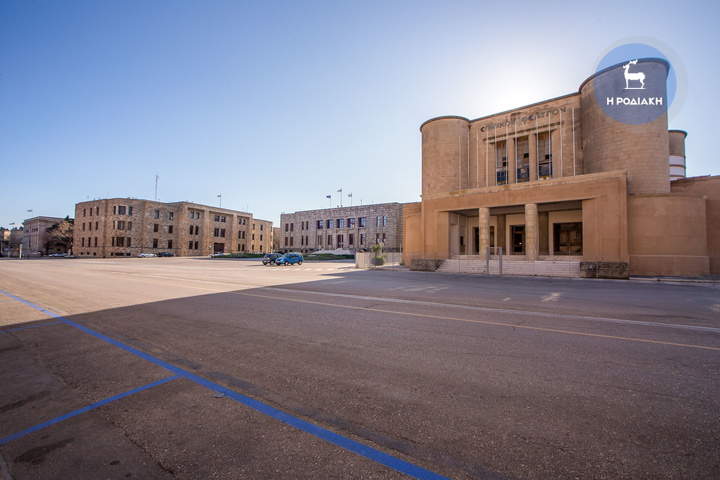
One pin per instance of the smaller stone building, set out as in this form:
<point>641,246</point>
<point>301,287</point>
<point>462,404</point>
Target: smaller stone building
<point>344,228</point>
<point>125,227</point>
<point>34,236</point>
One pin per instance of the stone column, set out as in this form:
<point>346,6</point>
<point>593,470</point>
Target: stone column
<point>484,231</point>
<point>501,234</point>
<point>511,163</point>
<point>531,232</point>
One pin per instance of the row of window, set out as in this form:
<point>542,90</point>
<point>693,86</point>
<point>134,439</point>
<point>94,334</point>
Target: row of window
<point>90,227</point>
<point>340,240</point>
<point>337,223</point>
<point>522,159</point>
<point>97,211</point>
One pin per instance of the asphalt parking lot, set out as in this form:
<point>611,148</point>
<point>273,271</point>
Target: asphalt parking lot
<point>198,368</point>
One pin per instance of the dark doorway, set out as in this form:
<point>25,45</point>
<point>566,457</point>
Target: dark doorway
<point>517,238</point>
<point>567,238</point>
<point>219,248</point>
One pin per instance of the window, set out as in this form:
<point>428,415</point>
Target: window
<point>84,227</point>
<point>522,159</point>
<point>363,222</point>
<point>362,239</point>
<point>129,210</point>
<point>97,211</point>
<point>292,227</point>
<point>156,227</point>
<point>351,239</point>
<point>192,215</point>
<point>261,227</point>
<point>329,224</point>
<point>377,221</point>
<point>217,218</point>
<point>157,214</point>
<point>319,241</point>
<point>286,241</point>
<point>170,215</point>
<point>82,242</point>
<point>196,246</point>
<point>129,242</point>
<point>340,223</point>
<point>190,244</point>
<point>351,223</point>
<point>287,227</point>
<point>384,221</point>
<point>121,225</point>
<point>567,238</point>
<point>319,224</point>
<point>197,230</point>
<point>216,232</point>
<point>501,163</point>
<point>122,210</point>
<point>222,232</point>
<point>114,210</point>
<point>169,243</point>
<point>340,241</point>
<point>120,241</point>
<point>85,211</point>
<point>329,240</point>
<point>261,237</point>
<point>253,236</point>
<point>291,241</point>
<point>129,226</point>
<point>544,155</point>
<point>95,242</point>
<point>170,228</point>
<point>155,242</point>
<point>191,229</point>
<point>222,219</point>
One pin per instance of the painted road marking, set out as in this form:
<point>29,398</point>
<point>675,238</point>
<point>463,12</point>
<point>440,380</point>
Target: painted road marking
<point>25,328</point>
<point>351,445</point>
<point>93,406</point>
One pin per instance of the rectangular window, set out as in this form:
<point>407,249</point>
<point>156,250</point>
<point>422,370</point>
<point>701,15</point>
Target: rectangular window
<point>384,221</point>
<point>122,210</point>
<point>190,245</point>
<point>319,224</point>
<point>170,215</point>
<point>261,237</point>
<point>129,210</point>
<point>340,241</point>
<point>157,214</point>
<point>287,227</point>
<point>169,243</point>
<point>155,242</point>
<point>291,241</point>
<point>329,224</point>
<point>192,215</point>
<point>292,227</point>
<point>567,239</point>
<point>85,211</point>
<point>129,242</point>
<point>544,155</point>
<point>351,239</point>
<point>363,222</point>
<point>95,242</point>
<point>196,246</point>
<point>222,232</point>
<point>377,221</point>
<point>120,241</point>
<point>82,242</point>
<point>340,223</point>
<point>114,210</point>
<point>222,219</point>
<point>197,230</point>
<point>191,229</point>
<point>351,223</point>
<point>362,239</point>
<point>286,241</point>
<point>217,218</point>
<point>129,226</point>
<point>97,211</point>
<point>170,228</point>
<point>216,232</point>
<point>121,225</point>
<point>501,163</point>
<point>319,241</point>
<point>156,227</point>
<point>329,240</point>
<point>84,226</point>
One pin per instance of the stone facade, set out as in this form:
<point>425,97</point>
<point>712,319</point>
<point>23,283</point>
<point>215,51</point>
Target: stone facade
<point>560,180</point>
<point>124,227</point>
<point>34,237</point>
<point>343,228</point>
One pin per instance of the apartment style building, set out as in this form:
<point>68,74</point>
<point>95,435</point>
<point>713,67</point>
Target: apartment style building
<point>35,238</point>
<point>592,177</point>
<point>125,227</point>
<point>343,228</point>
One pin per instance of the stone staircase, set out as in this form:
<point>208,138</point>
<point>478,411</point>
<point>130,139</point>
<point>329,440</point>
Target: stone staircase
<point>472,264</point>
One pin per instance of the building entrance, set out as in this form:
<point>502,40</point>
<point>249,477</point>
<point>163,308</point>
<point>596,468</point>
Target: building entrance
<point>219,248</point>
<point>517,239</point>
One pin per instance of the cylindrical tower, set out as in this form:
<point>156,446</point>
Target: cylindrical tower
<point>444,154</point>
<point>623,128</point>
<point>677,154</point>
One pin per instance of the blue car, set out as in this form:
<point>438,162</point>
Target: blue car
<point>289,259</point>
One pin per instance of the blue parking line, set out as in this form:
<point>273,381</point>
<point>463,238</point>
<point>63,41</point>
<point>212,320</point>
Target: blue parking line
<point>95,405</point>
<point>348,444</point>
<point>25,328</point>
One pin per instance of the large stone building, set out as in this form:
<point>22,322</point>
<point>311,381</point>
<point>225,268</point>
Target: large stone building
<point>343,228</point>
<point>567,180</point>
<point>127,227</point>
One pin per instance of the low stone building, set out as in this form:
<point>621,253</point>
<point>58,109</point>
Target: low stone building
<point>124,227</point>
<point>343,228</point>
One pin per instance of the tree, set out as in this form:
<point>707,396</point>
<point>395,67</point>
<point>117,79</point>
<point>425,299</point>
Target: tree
<point>60,234</point>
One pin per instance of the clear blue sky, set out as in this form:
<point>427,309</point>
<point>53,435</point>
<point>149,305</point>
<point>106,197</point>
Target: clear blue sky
<point>275,105</point>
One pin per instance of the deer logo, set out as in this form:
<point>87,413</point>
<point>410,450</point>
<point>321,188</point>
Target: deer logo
<point>639,76</point>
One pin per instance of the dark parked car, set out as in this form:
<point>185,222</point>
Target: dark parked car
<point>269,258</point>
<point>165,254</point>
<point>289,259</point>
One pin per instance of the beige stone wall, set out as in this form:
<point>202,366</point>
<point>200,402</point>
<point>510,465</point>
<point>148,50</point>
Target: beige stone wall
<point>708,188</point>
<point>642,150</point>
<point>299,231</point>
<point>667,235</point>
